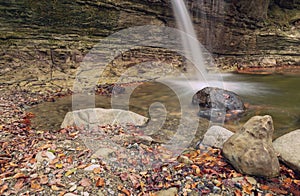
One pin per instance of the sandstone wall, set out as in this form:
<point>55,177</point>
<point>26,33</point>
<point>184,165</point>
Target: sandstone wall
<point>44,41</point>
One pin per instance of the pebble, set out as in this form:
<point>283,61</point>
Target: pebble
<point>184,159</point>
<point>251,180</point>
<point>85,194</point>
<point>91,167</point>
<point>73,188</point>
<point>80,188</point>
<point>70,194</point>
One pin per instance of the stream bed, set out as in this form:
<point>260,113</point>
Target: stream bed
<point>275,95</point>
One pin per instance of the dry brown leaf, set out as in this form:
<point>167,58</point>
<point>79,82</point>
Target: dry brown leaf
<point>70,160</point>
<point>126,192</point>
<point>83,166</point>
<point>54,188</point>
<point>34,185</point>
<point>247,188</point>
<point>43,179</point>
<point>19,185</point>
<point>264,187</point>
<point>19,175</point>
<point>54,161</point>
<point>85,182</point>
<point>237,193</point>
<point>100,182</point>
<point>278,190</point>
<point>97,170</point>
<point>3,188</point>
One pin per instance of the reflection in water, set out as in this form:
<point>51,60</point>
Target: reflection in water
<point>275,95</point>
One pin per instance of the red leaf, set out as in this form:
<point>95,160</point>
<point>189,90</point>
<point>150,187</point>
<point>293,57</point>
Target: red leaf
<point>3,188</point>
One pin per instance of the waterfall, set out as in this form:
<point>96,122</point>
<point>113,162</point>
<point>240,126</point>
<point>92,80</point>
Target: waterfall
<point>200,57</point>
<point>191,46</point>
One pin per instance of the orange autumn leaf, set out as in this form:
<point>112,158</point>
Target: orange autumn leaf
<point>237,193</point>
<point>34,185</point>
<point>247,188</point>
<point>3,188</point>
<point>69,160</point>
<point>83,166</point>
<point>19,175</point>
<point>196,169</point>
<point>43,179</point>
<point>287,181</point>
<point>264,187</point>
<point>100,182</point>
<point>278,190</point>
<point>97,170</point>
<point>126,192</point>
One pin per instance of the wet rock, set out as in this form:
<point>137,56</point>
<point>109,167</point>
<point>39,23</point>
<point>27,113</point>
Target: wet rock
<point>250,150</point>
<point>288,147</point>
<point>94,117</point>
<point>216,103</point>
<point>216,136</point>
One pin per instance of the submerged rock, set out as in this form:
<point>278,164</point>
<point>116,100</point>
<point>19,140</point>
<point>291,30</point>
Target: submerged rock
<point>216,136</point>
<point>250,150</point>
<point>94,117</point>
<point>288,147</point>
<point>216,103</point>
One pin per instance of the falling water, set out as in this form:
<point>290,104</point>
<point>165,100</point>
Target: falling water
<point>197,53</point>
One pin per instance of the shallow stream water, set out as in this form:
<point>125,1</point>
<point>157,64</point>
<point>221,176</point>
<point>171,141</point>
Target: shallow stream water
<point>275,95</point>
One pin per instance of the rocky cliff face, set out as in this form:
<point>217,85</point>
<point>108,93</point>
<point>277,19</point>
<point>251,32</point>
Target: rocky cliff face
<point>44,41</point>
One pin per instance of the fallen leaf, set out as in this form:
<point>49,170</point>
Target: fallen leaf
<point>97,170</point>
<point>43,179</point>
<point>196,169</point>
<point>54,188</point>
<point>71,171</point>
<point>126,192</point>
<point>3,188</point>
<point>59,165</point>
<point>83,166</point>
<point>264,187</point>
<point>34,185</point>
<point>278,190</point>
<point>85,182</point>
<point>19,185</point>
<point>100,182</point>
<point>247,188</point>
<point>237,193</point>
<point>19,175</point>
